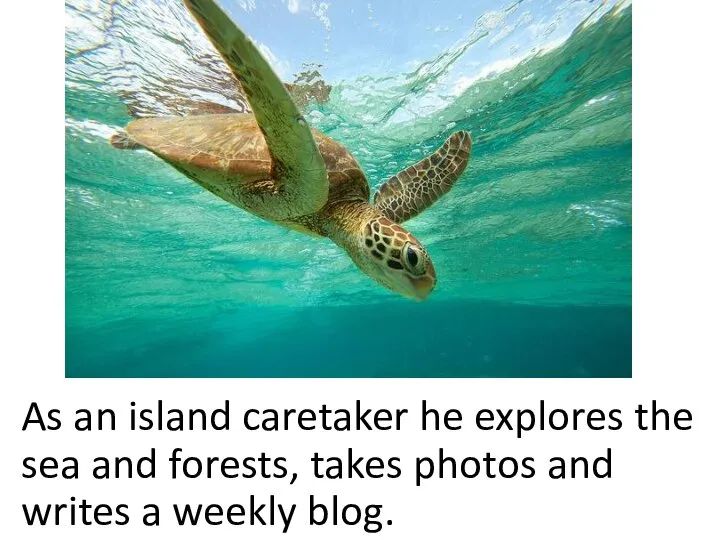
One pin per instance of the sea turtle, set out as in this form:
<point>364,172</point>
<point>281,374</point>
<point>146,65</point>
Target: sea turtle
<point>273,165</point>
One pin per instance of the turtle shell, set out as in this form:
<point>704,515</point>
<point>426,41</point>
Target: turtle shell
<point>234,144</point>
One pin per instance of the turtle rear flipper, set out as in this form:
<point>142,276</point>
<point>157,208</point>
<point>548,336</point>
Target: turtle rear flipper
<point>416,188</point>
<point>123,141</point>
<point>178,105</point>
<point>301,179</point>
<point>199,108</point>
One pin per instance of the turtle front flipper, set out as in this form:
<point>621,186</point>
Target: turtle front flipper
<point>298,167</point>
<point>411,191</point>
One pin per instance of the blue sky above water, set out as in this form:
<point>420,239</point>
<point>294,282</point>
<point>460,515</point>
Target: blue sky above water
<point>351,38</point>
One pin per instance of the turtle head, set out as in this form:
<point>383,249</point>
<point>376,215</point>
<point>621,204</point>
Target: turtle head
<point>394,258</point>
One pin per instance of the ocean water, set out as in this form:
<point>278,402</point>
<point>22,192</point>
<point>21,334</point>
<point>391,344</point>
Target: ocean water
<point>532,246</point>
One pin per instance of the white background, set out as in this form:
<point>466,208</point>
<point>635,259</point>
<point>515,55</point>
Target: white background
<point>664,485</point>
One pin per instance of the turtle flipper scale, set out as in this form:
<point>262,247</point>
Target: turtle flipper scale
<point>416,188</point>
<point>297,164</point>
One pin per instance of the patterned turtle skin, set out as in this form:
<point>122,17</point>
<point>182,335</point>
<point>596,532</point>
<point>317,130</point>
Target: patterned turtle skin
<point>272,164</point>
<point>416,188</point>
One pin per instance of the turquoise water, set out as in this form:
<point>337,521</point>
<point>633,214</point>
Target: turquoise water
<point>532,247</point>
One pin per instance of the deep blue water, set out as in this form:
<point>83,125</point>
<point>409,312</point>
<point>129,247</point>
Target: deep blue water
<point>444,339</point>
<point>532,246</point>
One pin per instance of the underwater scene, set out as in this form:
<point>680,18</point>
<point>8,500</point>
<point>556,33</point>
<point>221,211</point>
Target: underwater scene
<point>532,246</point>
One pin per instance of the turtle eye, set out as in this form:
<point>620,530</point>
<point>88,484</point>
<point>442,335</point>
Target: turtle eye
<point>411,256</point>
<point>413,259</point>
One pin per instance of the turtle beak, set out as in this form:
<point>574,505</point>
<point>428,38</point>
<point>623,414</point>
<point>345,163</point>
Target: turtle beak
<point>423,286</point>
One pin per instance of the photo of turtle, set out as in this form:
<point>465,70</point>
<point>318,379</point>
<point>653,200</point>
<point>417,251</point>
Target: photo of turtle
<point>225,217</point>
